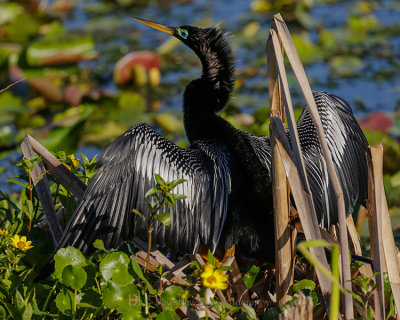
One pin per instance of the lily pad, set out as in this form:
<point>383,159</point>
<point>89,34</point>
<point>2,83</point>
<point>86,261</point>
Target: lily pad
<point>167,315</point>
<point>171,298</point>
<point>125,68</point>
<point>45,53</point>
<point>345,66</point>
<point>124,298</point>
<point>64,301</point>
<point>74,277</point>
<point>115,267</point>
<point>69,256</point>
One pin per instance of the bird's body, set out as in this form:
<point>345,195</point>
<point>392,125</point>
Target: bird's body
<point>228,171</point>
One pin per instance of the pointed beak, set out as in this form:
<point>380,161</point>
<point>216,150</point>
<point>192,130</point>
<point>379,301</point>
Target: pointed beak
<point>155,25</point>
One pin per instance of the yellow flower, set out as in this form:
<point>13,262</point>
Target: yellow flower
<point>21,243</point>
<point>74,161</point>
<point>214,279</point>
<point>3,232</point>
<point>68,167</point>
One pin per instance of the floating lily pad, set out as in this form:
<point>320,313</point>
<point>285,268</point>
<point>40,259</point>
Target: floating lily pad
<point>46,53</point>
<point>345,66</point>
<point>134,66</point>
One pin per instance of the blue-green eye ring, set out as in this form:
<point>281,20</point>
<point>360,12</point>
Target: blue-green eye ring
<point>183,33</point>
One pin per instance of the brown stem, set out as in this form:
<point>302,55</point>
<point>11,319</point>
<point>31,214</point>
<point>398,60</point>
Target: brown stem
<point>98,287</point>
<point>149,231</point>
<point>30,187</point>
<point>29,227</point>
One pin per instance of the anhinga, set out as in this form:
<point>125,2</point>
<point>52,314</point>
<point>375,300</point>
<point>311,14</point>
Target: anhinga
<point>228,171</point>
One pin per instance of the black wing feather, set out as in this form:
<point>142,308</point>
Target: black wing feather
<point>347,145</point>
<point>126,172</point>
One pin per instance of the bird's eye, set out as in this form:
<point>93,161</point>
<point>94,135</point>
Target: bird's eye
<point>183,33</point>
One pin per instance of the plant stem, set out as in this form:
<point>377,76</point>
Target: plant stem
<point>149,232</point>
<point>74,305</point>
<point>98,287</point>
<point>146,307</point>
<point>29,227</point>
<point>48,297</point>
<point>30,186</point>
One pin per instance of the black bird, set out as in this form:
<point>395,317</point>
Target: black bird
<point>228,171</point>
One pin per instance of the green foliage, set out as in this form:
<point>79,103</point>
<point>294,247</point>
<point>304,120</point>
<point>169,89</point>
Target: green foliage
<point>251,276</point>
<point>106,283</point>
<point>115,267</point>
<point>171,298</point>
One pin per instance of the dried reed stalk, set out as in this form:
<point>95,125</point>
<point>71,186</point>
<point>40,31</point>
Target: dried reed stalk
<point>366,268</point>
<point>301,77</point>
<point>295,170</point>
<point>390,251</point>
<point>302,309</point>
<point>284,253</point>
<point>303,204</point>
<point>375,186</point>
<point>43,191</point>
<point>57,169</point>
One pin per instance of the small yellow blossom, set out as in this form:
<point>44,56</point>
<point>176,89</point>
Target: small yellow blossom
<point>214,279</point>
<point>68,167</point>
<point>3,232</point>
<point>21,243</point>
<point>75,162</point>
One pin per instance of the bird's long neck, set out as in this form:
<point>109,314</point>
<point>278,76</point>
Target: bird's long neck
<point>206,96</point>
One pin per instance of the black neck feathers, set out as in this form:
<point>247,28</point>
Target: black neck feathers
<point>217,80</point>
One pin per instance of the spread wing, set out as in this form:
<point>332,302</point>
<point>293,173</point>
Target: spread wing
<point>347,145</point>
<point>126,172</point>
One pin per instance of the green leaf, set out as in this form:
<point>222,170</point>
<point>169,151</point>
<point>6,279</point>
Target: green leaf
<point>114,267</point>
<point>178,196</point>
<point>74,277</point>
<point>152,192</point>
<point>64,301</point>
<point>174,183</point>
<point>304,284</point>
<point>167,315</point>
<point>84,158</point>
<point>99,244</point>
<point>2,313</point>
<point>171,298</point>
<point>159,180</point>
<point>251,276</point>
<point>225,268</point>
<point>249,311</point>
<point>65,257</point>
<point>136,268</point>
<point>135,314</point>
<point>169,199</point>
<point>124,298</point>
<point>19,300</point>
<point>164,218</point>
<point>211,259</point>
<point>27,314</point>
<point>24,184</point>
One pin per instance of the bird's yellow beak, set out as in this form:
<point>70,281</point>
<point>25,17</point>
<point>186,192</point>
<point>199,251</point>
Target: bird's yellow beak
<point>155,25</point>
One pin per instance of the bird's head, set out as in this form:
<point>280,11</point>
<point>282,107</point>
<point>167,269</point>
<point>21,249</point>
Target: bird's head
<point>214,52</point>
<point>201,40</point>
